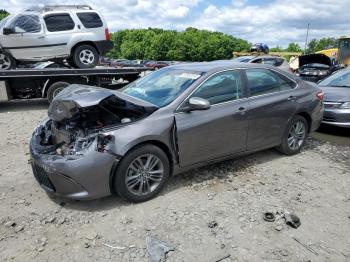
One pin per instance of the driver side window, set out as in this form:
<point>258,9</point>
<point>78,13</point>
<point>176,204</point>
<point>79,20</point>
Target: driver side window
<point>222,87</point>
<point>26,24</point>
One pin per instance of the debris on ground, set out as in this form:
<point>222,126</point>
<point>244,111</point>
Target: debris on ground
<point>212,224</point>
<point>306,246</point>
<point>223,258</point>
<point>118,247</point>
<point>269,217</point>
<point>292,220</point>
<point>157,249</point>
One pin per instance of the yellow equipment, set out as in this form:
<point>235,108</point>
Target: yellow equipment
<point>332,53</point>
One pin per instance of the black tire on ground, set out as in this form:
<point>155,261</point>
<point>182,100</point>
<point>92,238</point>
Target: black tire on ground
<point>285,148</point>
<point>54,89</point>
<point>7,62</point>
<point>85,56</point>
<point>121,172</point>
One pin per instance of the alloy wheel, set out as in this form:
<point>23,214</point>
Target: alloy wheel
<point>296,135</point>
<point>144,174</point>
<point>87,57</point>
<point>5,62</point>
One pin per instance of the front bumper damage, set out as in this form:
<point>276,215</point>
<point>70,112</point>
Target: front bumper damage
<point>86,176</point>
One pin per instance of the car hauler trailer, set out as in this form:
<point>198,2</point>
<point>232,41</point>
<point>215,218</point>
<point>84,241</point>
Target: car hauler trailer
<point>46,83</point>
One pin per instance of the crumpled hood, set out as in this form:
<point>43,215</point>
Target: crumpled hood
<point>336,94</point>
<point>76,97</point>
<point>314,58</point>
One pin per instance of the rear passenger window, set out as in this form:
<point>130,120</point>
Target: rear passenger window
<point>262,81</point>
<point>222,87</point>
<point>59,22</point>
<point>90,19</point>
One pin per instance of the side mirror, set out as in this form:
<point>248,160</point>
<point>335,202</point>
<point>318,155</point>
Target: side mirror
<point>8,31</point>
<point>197,103</point>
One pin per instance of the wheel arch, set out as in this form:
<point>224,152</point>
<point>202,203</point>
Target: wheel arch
<point>156,143</point>
<point>92,43</point>
<point>307,118</point>
<point>159,144</point>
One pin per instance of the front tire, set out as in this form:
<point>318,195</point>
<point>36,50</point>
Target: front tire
<point>142,173</point>
<point>85,56</point>
<point>7,62</point>
<point>295,136</point>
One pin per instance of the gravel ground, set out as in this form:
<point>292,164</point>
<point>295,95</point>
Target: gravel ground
<point>206,214</point>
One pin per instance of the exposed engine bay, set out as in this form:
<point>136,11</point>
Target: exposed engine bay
<point>78,116</point>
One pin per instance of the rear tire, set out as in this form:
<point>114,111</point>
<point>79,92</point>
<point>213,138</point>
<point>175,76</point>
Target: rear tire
<point>146,167</point>
<point>85,56</point>
<point>295,136</point>
<point>54,90</point>
<point>7,62</point>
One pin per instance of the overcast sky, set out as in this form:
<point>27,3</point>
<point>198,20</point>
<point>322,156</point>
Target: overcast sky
<point>275,22</point>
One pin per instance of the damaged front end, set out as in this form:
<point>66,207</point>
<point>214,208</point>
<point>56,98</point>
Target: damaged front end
<point>71,150</point>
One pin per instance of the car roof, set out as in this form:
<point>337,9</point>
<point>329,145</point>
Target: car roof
<point>216,66</point>
<point>53,8</point>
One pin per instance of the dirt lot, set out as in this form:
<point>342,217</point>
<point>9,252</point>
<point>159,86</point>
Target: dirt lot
<point>314,185</point>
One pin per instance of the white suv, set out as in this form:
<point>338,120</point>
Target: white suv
<point>56,32</point>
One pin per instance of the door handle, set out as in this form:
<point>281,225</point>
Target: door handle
<point>41,37</point>
<point>292,98</point>
<point>241,110</point>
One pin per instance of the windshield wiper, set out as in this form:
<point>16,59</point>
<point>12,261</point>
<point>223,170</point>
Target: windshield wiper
<point>340,85</point>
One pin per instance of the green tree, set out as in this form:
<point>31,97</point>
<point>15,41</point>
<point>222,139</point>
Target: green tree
<point>3,14</point>
<point>276,49</point>
<point>320,44</point>
<point>189,45</point>
<point>293,47</point>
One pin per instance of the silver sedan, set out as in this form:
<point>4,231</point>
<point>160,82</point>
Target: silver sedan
<point>337,99</point>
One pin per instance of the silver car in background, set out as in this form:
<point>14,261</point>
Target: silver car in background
<point>275,61</point>
<point>337,99</point>
<point>97,141</point>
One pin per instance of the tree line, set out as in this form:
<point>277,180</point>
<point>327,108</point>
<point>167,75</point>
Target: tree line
<point>313,46</point>
<point>189,45</point>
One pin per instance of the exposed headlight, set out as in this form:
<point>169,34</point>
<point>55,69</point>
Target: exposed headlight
<point>345,105</point>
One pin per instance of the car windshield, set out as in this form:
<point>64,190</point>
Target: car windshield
<point>339,79</point>
<point>162,87</point>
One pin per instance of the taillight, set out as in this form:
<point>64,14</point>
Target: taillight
<point>108,36</point>
<point>320,95</point>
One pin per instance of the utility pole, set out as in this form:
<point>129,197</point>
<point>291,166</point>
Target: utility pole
<point>307,36</point>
